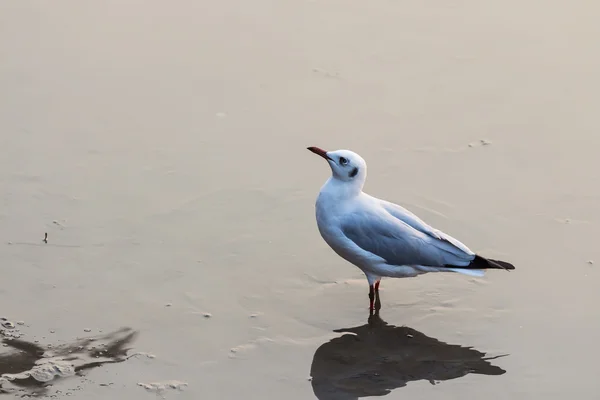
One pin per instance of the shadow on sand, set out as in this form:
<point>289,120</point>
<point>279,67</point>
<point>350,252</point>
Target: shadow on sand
<point>375,358</point>
<point>28,369</point>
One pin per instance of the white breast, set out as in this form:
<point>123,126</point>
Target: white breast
<point>330,210</point>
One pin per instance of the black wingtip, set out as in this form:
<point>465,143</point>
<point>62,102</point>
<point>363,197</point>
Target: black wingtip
<point>486,263</point>
<point>497,264</point>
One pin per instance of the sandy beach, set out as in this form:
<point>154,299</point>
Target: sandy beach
<point>162,148</point>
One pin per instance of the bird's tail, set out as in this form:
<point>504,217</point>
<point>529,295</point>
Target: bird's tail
<point>481,263</point>
<point>478,273</point>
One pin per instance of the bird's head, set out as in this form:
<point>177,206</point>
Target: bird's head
<point>346,165</point>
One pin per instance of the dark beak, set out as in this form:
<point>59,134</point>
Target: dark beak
<point>320,152</point>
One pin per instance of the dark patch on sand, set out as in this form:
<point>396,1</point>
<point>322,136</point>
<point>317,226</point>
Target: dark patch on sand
<point>28,369</point>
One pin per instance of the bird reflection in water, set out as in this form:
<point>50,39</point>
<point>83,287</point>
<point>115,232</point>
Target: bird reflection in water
<point>375,358</point>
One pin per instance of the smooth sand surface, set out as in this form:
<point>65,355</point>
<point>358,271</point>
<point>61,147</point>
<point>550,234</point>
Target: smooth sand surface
<point>161,145</point>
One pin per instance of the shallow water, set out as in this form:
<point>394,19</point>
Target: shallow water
<point>162,148</point>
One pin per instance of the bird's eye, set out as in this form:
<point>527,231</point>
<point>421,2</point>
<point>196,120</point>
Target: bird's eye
<point>343,161</point>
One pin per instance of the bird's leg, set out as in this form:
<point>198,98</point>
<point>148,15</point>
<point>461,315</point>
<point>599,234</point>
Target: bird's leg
<point>371,297</point>
<point>377,300</point>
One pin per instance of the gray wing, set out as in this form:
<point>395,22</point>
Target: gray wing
<point>399,243</point>
<point>415,222</point>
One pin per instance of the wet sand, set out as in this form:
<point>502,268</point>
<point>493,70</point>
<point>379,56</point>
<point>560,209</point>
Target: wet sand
<point>162,148</point>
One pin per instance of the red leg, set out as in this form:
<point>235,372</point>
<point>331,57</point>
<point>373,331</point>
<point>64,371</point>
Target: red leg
<point>377,300</point>
<point>371,297</point>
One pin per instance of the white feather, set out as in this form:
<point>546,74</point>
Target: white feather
<point>471,272</point>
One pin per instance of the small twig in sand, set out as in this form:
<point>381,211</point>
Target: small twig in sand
<point>45,237</point>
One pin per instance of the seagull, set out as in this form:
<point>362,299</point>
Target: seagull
<point>381,238</point>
